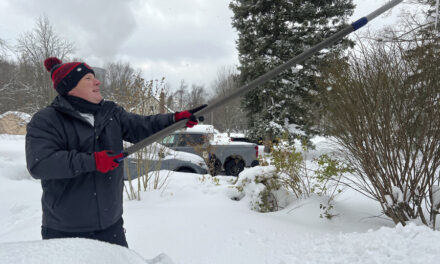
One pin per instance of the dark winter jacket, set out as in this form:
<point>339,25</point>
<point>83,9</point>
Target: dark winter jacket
<point>59,151</point>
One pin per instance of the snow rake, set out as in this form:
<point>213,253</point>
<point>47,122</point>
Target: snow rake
<point>263,78</point>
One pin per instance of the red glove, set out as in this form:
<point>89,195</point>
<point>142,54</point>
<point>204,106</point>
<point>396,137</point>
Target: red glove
<point>104,162</point>
<point>189,114</point>
<point>186,115</point>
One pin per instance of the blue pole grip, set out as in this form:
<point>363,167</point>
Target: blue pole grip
<point>118,160</point>
<point>359,23</point>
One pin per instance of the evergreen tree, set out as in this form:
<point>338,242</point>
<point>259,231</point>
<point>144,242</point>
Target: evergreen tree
<point>423,38</point>
<point>270,33</point>
<point>429,27</point>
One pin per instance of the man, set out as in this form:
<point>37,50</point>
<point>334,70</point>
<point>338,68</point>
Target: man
<point>72,145</point>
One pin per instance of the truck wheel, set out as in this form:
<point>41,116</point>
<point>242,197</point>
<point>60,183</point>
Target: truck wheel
<point>234,167</point>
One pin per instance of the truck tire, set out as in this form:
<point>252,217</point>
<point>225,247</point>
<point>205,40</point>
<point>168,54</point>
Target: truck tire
<point>255,163</point>
<point>234,167</point>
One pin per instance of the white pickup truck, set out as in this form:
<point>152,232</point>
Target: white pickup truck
<point>217,150</point>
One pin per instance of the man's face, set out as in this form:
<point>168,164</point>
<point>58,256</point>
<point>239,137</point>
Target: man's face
<point>87,89</point>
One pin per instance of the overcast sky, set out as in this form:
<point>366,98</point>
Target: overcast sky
<point>175,39</point>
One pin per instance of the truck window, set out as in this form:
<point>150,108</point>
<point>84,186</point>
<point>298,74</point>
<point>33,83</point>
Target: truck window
<point>197,139</point>
<point>191,139</point>
<point>169,141</point>
<point>181,140</point>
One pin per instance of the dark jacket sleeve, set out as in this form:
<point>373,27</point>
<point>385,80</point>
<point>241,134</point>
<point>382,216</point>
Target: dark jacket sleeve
<point>46,155</point>
<point>137,127</point>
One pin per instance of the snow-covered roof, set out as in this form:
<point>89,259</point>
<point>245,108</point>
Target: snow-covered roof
<point>223,139</point>
<point>158,100</point>
<point>237,135</point>
<point>23,116</point>
<point>205,129</point>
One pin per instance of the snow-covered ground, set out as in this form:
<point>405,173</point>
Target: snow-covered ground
<point>194,220</point>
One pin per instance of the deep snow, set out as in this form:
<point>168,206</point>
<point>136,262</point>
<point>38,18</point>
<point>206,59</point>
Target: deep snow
<point>193,220</point>
<point>72,251</point>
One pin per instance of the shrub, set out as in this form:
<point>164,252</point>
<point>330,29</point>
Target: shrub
<point>382,106</point>
<point>263,189</point>
<point>285,175</point>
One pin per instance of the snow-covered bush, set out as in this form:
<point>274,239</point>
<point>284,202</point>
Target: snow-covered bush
<point>328,178</point>
<point>289,164</point>
<point>285,175</point>
<point>263,189</point>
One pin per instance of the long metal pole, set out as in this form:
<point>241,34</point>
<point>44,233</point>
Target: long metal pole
<point>265,77</point>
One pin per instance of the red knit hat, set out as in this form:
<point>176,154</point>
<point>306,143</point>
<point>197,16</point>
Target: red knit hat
<point>65,76</point>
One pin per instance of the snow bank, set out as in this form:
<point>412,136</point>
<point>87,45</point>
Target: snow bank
<point>72,251</point>
<point>410,244</point>
<point>12,158</point>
